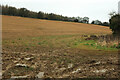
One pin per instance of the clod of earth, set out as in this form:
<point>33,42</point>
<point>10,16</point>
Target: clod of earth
<point>100,71</point>
<point>15,61</point>
<point>76,70</point>
<point>97,63</point>
<point>40,75</point>
<point>70,65</point>
<point>18,59</point>
<point>62,69</point>
<point>21,65</point>
<point>15,77</point>
<point>29,59</point>
<point>92,61</point>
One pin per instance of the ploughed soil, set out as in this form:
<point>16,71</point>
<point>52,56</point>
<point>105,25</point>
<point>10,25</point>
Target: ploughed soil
<point>59,62</point>
<point>52,59</point>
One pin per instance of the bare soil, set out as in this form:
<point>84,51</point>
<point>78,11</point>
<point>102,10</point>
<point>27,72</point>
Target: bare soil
<point>54,63</point>
<point>53,56</point>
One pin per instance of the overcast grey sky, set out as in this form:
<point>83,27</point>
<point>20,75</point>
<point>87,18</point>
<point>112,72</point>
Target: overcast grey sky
<point>94,9</point>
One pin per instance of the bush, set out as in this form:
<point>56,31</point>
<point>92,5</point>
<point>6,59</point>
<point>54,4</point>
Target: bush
<point>115,23</point>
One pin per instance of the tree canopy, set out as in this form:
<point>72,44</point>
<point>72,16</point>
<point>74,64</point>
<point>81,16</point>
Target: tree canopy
<point>23,12</point>
<point>115,23</point>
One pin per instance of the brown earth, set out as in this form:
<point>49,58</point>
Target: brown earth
<point>54,62</point>
<point>53,57</point>
<point>23,27</point>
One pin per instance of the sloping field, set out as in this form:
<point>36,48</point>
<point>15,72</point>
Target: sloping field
<point>18,26</point>
<point>34,48</point>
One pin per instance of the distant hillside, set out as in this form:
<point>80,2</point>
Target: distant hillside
<point>19,26</point>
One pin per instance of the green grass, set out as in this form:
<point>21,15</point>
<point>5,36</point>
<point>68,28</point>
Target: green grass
<point>91,44</point>
<point>72,41</point>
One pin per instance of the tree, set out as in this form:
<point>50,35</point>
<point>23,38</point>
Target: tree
<point>12,11</point>
<point>40,15</point>
<point>105,24</point>
<point>76,20</point>
<point>93,22</point>
<point>112,13</point>
<point>85,20</point>
<point>23,12</point>
<point>115,24</point>
<point>97,22</point>
<point>80,19</point>
<point>32,14</point>
<point>51,16</point>
<point>5,10</point>
<point>0,10</point>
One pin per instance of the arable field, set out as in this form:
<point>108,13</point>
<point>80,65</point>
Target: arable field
<point>34,48</point>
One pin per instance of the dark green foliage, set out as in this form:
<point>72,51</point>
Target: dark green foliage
<point>33,14</point>
<point>97,22</point>
<point>115,23</point>
<point>12,11</point>
<point>23,12</point>
<point>51,16</point>
<point>5,10</point>
<point>92,22</point>
<point>40,15</point>
<point>105,24</point>
<point>76,20</point>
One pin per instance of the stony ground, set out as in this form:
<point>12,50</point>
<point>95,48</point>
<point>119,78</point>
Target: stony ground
<point>59,63</point>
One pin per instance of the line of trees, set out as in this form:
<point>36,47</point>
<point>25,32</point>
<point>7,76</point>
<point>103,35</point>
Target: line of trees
<point>97,22</point>
<point>23,12</point>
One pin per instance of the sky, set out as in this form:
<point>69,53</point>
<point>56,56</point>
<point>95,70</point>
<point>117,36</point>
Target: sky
<point>94,9</point>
